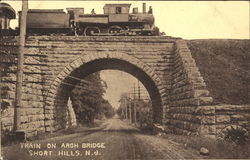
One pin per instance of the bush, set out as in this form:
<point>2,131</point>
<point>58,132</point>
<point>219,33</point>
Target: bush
<point>5,137</point>
<point>236,134</point>
<point>218,148</point>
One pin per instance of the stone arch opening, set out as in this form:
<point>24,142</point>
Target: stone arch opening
<point>61,87</point>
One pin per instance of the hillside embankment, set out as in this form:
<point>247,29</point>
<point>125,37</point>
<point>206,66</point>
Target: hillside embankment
<point>225,67</point>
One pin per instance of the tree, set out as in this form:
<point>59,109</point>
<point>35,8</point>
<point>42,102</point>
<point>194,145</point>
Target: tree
<point>143,110</point>
<point>88,101</point>
<point>121,111</point>
<point>108,110</point>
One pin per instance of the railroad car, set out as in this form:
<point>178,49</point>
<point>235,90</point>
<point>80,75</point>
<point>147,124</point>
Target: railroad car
<point>46,21</point>
<point>7,13</point>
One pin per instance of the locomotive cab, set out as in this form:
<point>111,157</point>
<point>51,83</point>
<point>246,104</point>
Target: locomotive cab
<point>117,12</point>
<point>116,8</point>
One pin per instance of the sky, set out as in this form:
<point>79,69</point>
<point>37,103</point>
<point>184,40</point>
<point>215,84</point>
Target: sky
<point>185,19</point>
<point>119,82</point>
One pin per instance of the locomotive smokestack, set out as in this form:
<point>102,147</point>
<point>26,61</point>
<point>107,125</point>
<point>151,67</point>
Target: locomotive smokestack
<point>143,7</point>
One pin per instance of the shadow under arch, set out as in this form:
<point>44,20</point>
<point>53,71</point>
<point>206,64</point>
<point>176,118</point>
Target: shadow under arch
<point>81,67</point>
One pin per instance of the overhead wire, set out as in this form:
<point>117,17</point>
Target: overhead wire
<point>82,80</point>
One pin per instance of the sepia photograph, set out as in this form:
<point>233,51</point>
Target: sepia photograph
<point>124,80</point>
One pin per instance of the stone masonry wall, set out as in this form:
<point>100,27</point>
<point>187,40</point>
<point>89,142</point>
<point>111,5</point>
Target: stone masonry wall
<point>32,113</point>
<point>61,52</point>
<point>187,107</point>
<point>228,115</point>
<point>189,95</point>
<point>47,56</point>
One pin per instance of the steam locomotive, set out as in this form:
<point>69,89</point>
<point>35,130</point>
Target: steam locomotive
<point>116,20</point>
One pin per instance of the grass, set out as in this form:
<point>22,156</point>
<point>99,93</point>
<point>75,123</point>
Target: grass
<point>224,65</point>
<point>218,149</point>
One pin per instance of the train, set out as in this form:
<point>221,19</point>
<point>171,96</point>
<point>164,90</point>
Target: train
<point>116,20</point>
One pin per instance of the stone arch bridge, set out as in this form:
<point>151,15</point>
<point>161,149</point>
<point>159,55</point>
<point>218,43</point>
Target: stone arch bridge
<point>164,65</point>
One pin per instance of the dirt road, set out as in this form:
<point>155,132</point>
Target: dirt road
<point>114,140</point>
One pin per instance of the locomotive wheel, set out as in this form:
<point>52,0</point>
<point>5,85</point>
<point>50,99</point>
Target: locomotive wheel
<point>78,31</point>
<point>91,31</point>
<point>114,29</point>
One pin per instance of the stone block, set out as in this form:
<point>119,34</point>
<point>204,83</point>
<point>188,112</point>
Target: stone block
<point>201,93</point>
<point>50,111</point>
<point>13,79</point>
<point>207,130</point>
<point>238,117</point>
<point>200,85</point>
<point>32,104</point>
<point>244,124</point>
<point>7,121</point>
<point>223,119</point>
<point>24,119</point>
<point>207,119</point>
<point>205,100</point>
<point>49,123</point>
<point>205,110</point>
<point>8,86</point>
<point>194,127</point>
<point>32,125</point>
<point>225,108</point>
<point>31,111</point>
<point>36,117</point>
<point>49,116</point>
<point>6,103</point>
<point>8,112</point>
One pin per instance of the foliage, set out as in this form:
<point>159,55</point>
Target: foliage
<point>236,134</point>
<point>123,97</point>
<point>143,108</point>
<point>5,136</point>
<point>88,101</point>
<point>108,110</point>
<point>119,112</point>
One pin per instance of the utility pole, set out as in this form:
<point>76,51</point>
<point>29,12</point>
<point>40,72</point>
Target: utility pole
<point>139,91</point>
<point>125,108</point>
<point>139,98</point>
<point>19,78</point>
<point>134,105</point>
<point>130,111</point>
<point>122,107</point>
